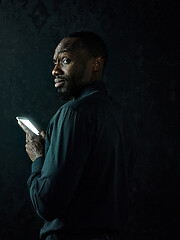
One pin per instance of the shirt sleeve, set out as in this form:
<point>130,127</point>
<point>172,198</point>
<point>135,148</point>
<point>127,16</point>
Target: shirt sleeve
<point>53,180</point>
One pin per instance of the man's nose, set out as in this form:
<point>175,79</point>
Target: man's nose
<point>57,71</point>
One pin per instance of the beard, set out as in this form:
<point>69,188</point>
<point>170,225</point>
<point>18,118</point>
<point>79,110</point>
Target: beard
<point>71,87</point>
<point>64,96</point>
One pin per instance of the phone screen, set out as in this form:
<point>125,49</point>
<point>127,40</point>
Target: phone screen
<point>28,124</point>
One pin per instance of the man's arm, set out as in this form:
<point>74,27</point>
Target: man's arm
<point>55,177</point>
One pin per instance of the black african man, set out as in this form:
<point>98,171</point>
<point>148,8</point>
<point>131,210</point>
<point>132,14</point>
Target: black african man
<point>79,178</point>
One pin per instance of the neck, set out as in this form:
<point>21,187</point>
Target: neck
<point>87,83</point>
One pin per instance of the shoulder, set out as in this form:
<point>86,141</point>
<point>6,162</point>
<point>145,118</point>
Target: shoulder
<point>70,112</point>
<point>88,109</point>
<point>83,106</point>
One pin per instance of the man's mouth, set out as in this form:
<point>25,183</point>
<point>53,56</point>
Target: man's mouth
<point>59,82</point>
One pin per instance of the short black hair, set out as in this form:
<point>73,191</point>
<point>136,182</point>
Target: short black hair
<point>92,42</point>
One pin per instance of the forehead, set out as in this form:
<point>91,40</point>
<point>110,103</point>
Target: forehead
<point>71,45</point>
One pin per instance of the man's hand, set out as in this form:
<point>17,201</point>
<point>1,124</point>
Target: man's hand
<point>35,144</point>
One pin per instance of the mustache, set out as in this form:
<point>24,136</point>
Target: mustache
<point>61,79</point>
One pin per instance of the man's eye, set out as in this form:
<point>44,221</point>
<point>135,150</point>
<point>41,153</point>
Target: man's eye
<point>66,60</point>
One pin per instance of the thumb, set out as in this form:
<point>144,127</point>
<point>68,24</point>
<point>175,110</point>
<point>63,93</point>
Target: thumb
<point>43,135</point>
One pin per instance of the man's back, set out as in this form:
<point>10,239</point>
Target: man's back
<point>91,154</point>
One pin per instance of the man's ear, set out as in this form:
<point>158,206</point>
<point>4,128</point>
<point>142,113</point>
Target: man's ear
<point>97,64</point>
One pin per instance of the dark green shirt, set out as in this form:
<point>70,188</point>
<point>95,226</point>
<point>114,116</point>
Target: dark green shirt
<point>81,186</point>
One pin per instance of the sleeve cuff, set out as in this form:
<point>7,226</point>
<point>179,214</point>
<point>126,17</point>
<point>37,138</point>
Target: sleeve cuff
<point>37,164</point>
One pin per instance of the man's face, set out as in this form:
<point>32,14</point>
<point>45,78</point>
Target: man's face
<point>72,68</point>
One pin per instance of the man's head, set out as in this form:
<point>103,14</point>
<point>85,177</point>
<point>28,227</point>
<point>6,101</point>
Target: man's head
<point>79,59</point>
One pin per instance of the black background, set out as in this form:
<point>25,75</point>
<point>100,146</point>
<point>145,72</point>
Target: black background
<point>142,73</point>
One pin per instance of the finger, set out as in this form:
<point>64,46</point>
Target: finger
<point>24,128</point>
<point>31,139</point>
<point>27,149</point>
<point>28,138</point>
<point>43,134</point>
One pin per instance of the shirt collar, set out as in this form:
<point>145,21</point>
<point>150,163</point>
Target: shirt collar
<point>98,85</point>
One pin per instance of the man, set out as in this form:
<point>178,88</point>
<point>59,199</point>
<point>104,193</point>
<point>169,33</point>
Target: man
<point>79,186</point>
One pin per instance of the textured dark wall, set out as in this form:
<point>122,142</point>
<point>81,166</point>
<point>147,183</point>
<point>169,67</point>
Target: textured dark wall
<point>143,71</point>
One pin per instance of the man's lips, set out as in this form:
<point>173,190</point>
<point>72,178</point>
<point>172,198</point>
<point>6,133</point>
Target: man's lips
<point>59,82</point>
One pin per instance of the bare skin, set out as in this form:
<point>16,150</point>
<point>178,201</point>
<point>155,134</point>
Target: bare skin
<point>73,69</point>
<point>35,144</point>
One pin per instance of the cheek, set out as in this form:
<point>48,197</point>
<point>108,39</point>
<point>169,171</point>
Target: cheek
<point>75,72</point>
<point>69,70</point>
<point>79,70</point>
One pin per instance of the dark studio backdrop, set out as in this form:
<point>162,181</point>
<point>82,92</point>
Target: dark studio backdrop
<point>142,73</point>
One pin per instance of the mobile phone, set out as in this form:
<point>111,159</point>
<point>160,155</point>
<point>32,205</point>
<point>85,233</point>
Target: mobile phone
<point>28,124</point>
